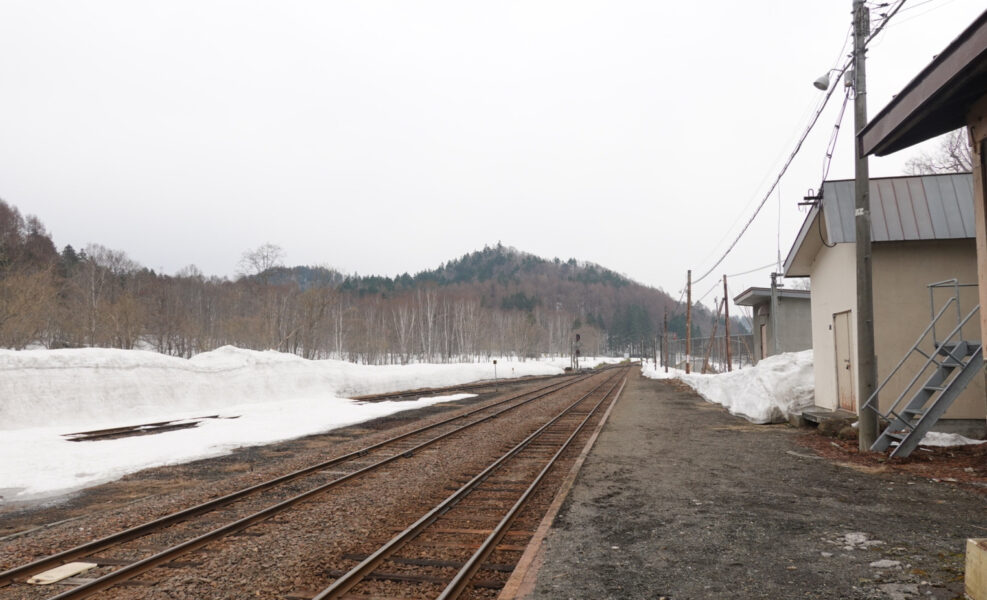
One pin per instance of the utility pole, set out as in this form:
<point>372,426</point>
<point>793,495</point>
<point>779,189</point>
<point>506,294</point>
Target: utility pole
<point>866,361</point>
<point>712,336</point>
<point>688,324</point>
<point>664,341</point>
<point>775,346</point>
<point>726,325</point>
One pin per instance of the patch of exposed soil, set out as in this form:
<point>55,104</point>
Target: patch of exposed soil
<point>963,466</point>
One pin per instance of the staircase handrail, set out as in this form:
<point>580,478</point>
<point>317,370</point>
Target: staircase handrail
<point>956,285</point>
<point>930,358</point>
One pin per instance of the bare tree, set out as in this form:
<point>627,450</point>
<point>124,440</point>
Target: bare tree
<point>103,277</point>
<point>264,257</point>
<point>403,319</point>
<point>339,330</point>
<point>26,300</point>
<point>190,271</point>
<point>467,319</point>
<point>952,155</point>
<point>428,313</point>
<point>798,283</point>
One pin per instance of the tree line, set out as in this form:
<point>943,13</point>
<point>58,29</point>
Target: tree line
<point>494,302</point>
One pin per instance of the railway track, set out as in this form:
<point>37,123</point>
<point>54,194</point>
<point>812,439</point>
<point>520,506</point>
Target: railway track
<point>446,552</point>
<point>122,556</point>
<point>472,387</point>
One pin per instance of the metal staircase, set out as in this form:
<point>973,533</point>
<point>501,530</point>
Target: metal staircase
<point>950,364</point>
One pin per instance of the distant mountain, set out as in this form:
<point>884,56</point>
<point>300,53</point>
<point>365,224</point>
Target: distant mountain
<point>508,279</point>
<point>304,277</point>
<point>507,265</point>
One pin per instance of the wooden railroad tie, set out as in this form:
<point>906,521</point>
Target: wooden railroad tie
<point>382,576</point>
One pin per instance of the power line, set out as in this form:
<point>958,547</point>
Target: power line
<point>912,17</point>
<point>778,239</point>
<point>798,146</point>
<point>805,115</point>
<point>771,264</point>
<point>681,295</point>
<point>784,169</point>
<point>700,299</point>
<point>831,147</point>
<point>884,22</point>
<point>923,3</point>
<point>678,302</point>
<point>803,118</point>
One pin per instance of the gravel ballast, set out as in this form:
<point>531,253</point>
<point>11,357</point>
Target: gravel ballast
<point>294,551</point>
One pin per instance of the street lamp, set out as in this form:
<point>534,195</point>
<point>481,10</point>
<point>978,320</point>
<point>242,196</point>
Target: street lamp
<point>823,82</point>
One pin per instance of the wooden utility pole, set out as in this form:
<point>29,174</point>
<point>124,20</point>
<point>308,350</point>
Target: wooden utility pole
<point>664,341</point>
<point>726,325</point>
<point>688,323</point>
<point>712,336</point>
<point>866,361</point>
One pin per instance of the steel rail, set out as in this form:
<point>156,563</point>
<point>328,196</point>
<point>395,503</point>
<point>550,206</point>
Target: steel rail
<point>167,555</point>
<point>478,385</point>
<point>466,573</point>
<point>138,531</point>
<point>354,576</point>
<point>472,386</point>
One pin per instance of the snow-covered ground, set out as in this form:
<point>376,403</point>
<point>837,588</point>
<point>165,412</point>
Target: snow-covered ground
<point>771,390</point>
<point>261,397</point>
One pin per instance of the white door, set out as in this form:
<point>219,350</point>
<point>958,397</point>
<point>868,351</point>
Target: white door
<point>844,368</point>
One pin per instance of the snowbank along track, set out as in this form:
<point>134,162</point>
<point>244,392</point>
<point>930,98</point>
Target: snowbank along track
<point>123,556</point>
<point>165,426</point>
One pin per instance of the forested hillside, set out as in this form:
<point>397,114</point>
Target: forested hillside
<point>497,301</point>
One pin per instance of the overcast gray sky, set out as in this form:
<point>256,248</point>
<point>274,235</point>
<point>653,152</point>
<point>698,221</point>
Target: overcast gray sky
<point>387,137</point>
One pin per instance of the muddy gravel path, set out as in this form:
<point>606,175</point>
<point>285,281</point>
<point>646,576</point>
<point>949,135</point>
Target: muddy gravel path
<point>679,499</point>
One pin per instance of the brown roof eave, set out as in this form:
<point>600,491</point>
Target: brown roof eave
<point>935,101</point>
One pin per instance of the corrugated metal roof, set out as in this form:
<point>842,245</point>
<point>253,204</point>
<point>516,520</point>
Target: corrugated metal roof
<point>926,207</point>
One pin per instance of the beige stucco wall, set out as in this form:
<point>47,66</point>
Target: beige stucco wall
<point>833,291</point>
<point>902,270</point>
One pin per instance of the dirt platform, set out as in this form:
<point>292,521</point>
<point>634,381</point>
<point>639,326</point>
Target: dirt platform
<point>679,499</point>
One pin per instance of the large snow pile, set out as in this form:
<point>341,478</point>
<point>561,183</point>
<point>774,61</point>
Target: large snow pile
<point>771,390</point>
<point>45,394</point>
<point>764,393</point>
<point>98,387</point>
